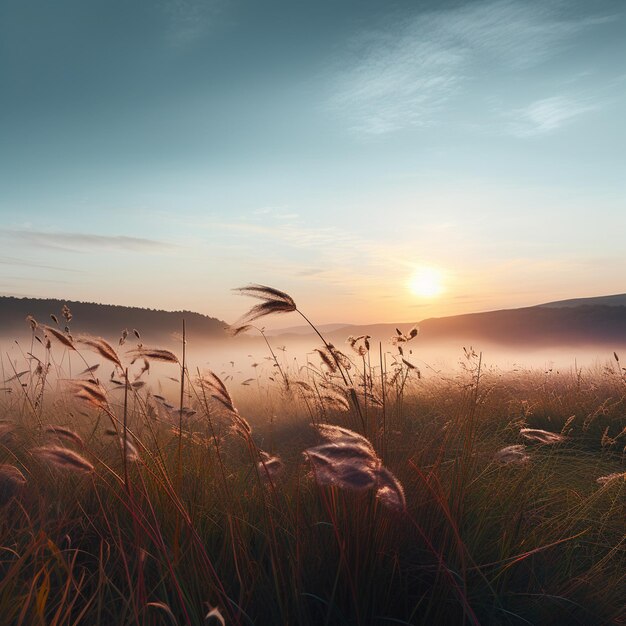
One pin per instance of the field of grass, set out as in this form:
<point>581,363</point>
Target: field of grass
<point>126,503</point>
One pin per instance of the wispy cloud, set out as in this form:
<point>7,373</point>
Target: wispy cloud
<point>341,258</point>
<point>11,261</point>
<point>190,19</point>
<point>548,114</point>
<point>84,242</point>
<point>405,73</point>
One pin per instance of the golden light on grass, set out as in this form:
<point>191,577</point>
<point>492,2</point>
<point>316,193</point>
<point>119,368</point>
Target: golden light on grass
<point>426,282</point>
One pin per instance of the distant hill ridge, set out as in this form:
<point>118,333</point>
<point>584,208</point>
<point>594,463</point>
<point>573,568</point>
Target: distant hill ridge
<point>614,300</point>
<point>531,326</point>
<point>107,320</point>
<point>598,320</point>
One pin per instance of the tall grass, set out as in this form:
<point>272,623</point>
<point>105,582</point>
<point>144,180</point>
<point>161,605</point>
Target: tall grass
<point>123,503</point>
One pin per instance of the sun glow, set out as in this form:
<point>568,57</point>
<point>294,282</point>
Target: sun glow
<point>426,282</point>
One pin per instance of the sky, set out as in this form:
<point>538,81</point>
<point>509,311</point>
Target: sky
<point>380,161</point>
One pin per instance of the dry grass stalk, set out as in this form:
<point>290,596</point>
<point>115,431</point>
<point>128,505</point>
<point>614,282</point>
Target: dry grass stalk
<point>64,458</point>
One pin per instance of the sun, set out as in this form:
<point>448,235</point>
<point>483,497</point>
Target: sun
<point>426,282</point>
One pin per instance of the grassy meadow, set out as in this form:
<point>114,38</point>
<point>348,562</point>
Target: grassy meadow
<point>136,488</point>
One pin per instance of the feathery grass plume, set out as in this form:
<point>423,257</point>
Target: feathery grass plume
<point>64,458</point>
<point>67,314</point>
<point>144,368</point>
<point>327,359</point>
<point>603,480</point>
<point>273,301</point>
<point>214,385</point>
<point>340,451</point>
<point>269,466</point>
<point>166,609</point>
<point>512,455</point>
<point>304,386</point>
<point>123,337</point>
<point>163,402</point>
<point>340,357</point>
<point>90,370</point>
<point>100,346</point>
<point>237,330</point>
<point>195,437</point>
<point>348,460</point>
<point>66,340</point>
<point>360,344</point>
<point>215,613</point>
<point>409,365</point>
<point>335,401</point>
<point>541,436</point>
<point>152,354</point>
<point>131,452</point>
<point>339,434</point>
<point>568,422</point>
<point>65,433</point>
<point>389,490</point>
<point>6,430</point>
<point>352,473</point>
<point>90,392</point>
<point>606,441</point>
<point>12,482</point>
<point>401,337</point>
<point>32,321</point>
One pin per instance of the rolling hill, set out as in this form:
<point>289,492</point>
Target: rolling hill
<point>108,320</point>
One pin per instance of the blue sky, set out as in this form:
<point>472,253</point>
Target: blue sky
<point>161,153</point>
